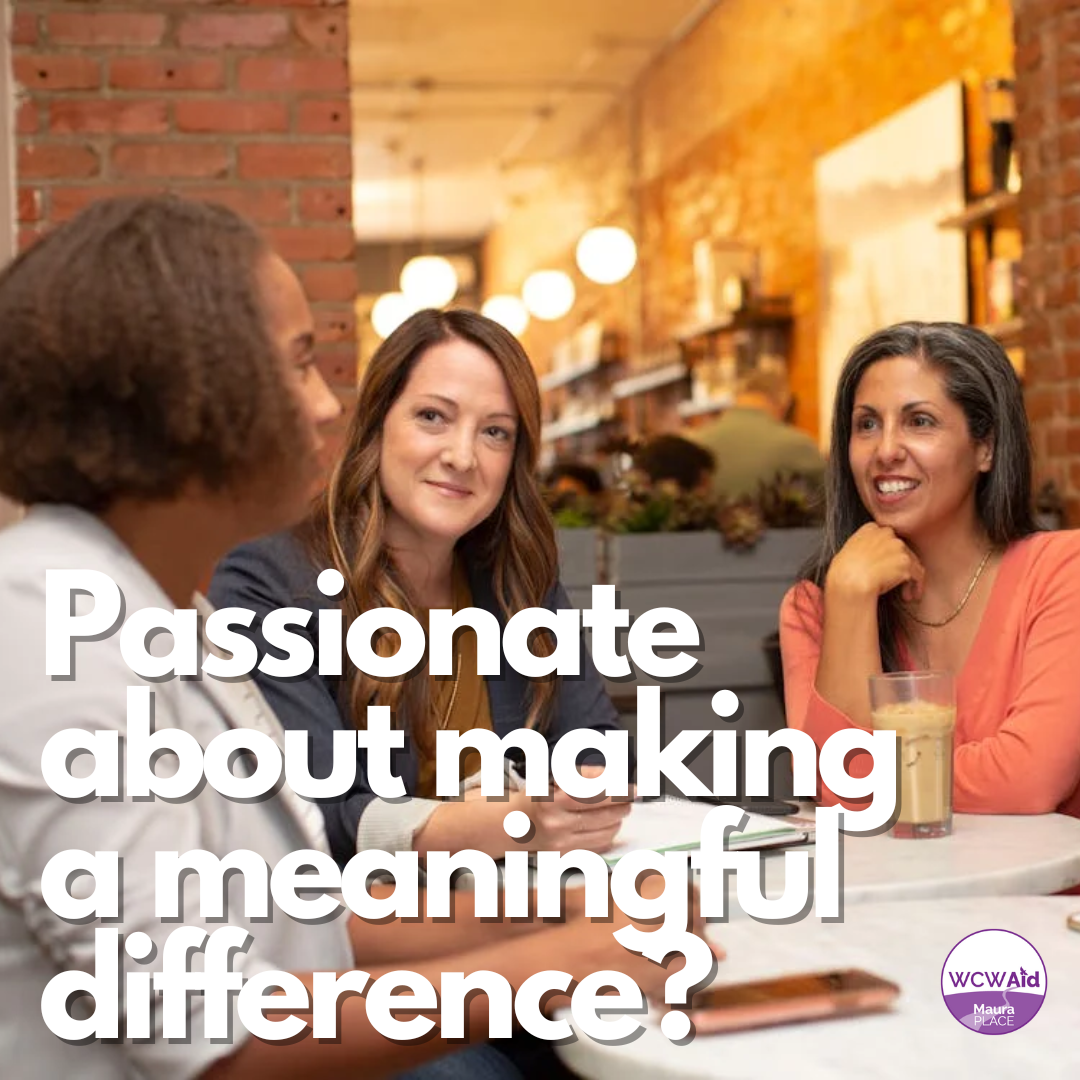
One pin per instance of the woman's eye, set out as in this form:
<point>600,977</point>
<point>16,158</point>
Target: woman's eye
<point>499,434</point>
<point>922,420</point>
<point>429,416</point>
<point>864,423</point>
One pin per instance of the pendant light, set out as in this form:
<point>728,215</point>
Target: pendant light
<point>507,311</point>
<point>606,254</point>
<point>548,294</point>
<point>429,281</point>
<point>390,311</point>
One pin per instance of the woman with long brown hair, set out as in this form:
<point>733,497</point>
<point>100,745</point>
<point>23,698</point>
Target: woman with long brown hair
<point>434,504</point>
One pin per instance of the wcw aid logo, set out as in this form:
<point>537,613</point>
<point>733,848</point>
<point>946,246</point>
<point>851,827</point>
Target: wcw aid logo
<point>994,981</point>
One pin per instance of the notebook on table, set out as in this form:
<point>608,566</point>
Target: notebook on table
<point>672,824</point>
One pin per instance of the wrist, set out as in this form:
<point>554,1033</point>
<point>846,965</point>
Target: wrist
<point>840,588</point>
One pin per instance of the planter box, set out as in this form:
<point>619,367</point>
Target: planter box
<point>734,597</point>
<point>580,554</point>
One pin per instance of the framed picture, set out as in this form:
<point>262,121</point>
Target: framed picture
<point>883,257</point>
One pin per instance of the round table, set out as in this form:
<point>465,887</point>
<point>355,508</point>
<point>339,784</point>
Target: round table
<point>987,855</point>
<point>906,942</point>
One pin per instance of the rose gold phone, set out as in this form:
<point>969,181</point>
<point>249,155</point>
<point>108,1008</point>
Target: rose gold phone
<point>791,999</point>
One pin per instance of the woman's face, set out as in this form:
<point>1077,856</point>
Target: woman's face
<point>914,461</point>
<point>292,330</point>
<point>447,446</point>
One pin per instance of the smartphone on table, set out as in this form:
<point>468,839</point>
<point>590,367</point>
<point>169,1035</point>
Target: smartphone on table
<point>791,999</point>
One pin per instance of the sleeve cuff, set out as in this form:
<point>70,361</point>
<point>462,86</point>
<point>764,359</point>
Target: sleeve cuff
<point>391,826</point>
<point>514,780</point>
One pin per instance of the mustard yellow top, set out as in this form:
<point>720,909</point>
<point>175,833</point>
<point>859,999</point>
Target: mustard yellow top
<point>459,702</point>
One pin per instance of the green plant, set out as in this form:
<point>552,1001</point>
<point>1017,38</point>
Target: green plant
<point>638,505</point>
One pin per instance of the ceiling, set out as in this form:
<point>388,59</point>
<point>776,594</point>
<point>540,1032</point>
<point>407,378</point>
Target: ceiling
<point>460,106</point>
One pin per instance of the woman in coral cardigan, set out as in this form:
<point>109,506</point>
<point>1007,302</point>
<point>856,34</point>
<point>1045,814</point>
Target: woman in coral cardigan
<point>931,559</point>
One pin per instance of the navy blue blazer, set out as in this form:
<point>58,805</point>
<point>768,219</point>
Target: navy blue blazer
<point>277,571</point>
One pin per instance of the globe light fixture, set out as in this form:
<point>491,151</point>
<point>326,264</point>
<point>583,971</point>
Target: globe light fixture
<point>548,294</point>
<point>390,311</point>
<point>507,311</point>
<point>606,254</point>
<point>429,281</point>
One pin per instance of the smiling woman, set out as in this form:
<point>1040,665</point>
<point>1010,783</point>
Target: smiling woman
<point>930,560</point>
<point>434,505</point>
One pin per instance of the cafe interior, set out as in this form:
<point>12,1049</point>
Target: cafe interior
<point>666,202</point>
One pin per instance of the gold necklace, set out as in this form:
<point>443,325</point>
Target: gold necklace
<point>445,723</point>
<point>935,624</point>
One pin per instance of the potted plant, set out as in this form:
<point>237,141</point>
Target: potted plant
<point>728,567</point>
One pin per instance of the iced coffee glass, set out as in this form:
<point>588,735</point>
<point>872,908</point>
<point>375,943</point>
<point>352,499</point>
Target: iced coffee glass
<point>920,706</point>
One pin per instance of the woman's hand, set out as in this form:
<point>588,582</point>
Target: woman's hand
<point>563,823</point>
<point>872,562</point>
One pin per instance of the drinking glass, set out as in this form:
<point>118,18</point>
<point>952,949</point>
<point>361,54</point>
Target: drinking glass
<point>920,706</point>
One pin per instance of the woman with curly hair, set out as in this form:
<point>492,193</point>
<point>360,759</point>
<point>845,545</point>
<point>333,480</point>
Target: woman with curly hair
<point>434,504</point>
<point>160,404</point>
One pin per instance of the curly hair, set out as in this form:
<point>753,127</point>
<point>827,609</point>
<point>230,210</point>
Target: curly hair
<point>135,357</point>
<point>517,541</point>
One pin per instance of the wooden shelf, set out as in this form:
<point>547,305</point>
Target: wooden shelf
<point>767,311</point>
<point>554,379</point>
<point>997,209</point>
<point>651,379</point>
<point>572,425</point>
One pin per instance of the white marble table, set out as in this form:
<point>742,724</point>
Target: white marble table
<point>987,855</point>
<point>918,1040</point>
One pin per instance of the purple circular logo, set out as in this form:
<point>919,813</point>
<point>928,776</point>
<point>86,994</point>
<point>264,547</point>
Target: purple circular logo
<point>994,981</point>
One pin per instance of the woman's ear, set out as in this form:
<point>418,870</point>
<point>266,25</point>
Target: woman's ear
<point>985,455</point>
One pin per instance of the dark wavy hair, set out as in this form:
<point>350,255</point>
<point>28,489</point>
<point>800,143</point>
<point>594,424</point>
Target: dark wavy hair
<point>517,541</point>
<point>978,376</point>
<point>135,356</point>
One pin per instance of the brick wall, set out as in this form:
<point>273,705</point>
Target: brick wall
<point>731,121</point>
<point>1048,138</point>
<point>246,103</point>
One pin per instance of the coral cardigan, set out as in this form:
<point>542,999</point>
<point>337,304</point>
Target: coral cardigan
<point>1017,741</point>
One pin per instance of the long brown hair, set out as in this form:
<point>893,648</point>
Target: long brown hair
<point>516,542</point>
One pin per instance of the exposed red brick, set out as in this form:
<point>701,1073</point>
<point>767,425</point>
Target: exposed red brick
<point>338,364</point>
<point>313,244</point>
<point>63,71</point>
<point>330,116</point>
<point>102,116</point>
<point>261,116</point>
<point>254,31</point>
<point>330,283</point>
<point>27,118</point>
<point>157,72</point>
<point>29,204</point>
<point>280,73</point>
<point>171,159</point>
<point>327,31</point>
<point>335,324</point>
<point>294,161</point>
<point>24,28</point>
<point>105,28</point>
<point>52,160</point>
<point>265,205</point>
<point>318,203</point>
<point>65,202</point>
